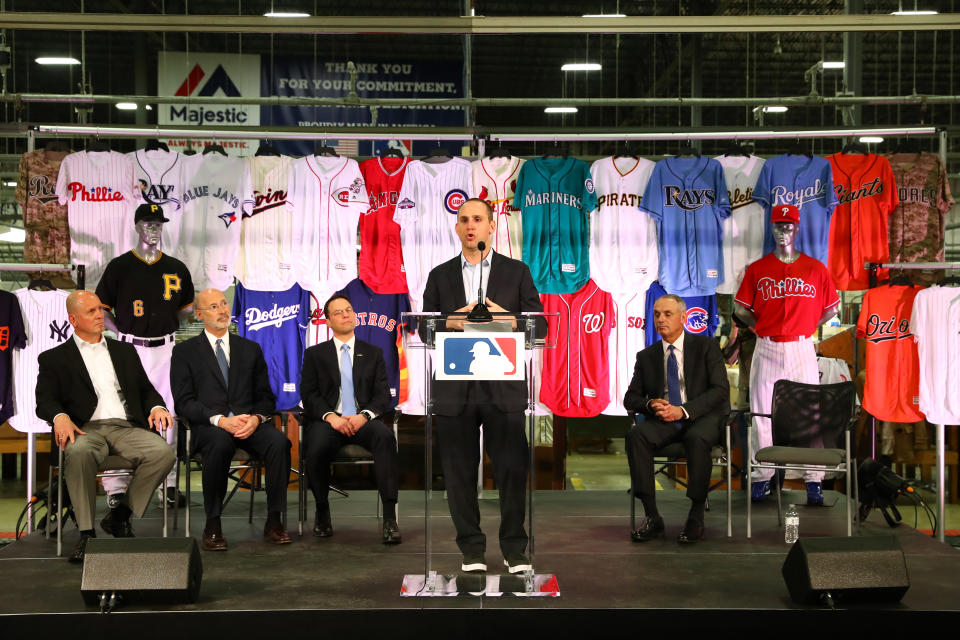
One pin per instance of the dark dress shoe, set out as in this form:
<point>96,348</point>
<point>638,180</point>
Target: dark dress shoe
<point>275,533</point>
<point>650,528</point>
<point>214,541</point>
<point>79,551</point>
<point>391,532</point>
<point>322,528</point>
<point>692,532</point>
<point>116,526</point>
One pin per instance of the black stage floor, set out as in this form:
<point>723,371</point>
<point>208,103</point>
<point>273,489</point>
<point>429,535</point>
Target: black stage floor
<point>351,582</point>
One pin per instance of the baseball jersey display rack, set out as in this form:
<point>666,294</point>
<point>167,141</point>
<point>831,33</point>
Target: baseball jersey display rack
<point>19,266</point>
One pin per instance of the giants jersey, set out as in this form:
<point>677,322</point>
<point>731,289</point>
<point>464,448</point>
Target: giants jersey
<point>702,316</point>
<point>381,258</point>
<point>267,253</point>
<point>892,388</point>
<point>623,237</point>
<point>743,230</point>
<point>626,339</point>
<point>159,176</point>
<point>495,180</point>
<point>934,322</point>
<point>146,297</point>
<point>556,196</point>
<point>688,199</point>
<point>12,336</point>
<point>576,373</point>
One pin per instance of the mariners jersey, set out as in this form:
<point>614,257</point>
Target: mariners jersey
<point>556,196</point>
<point>267,254</point>
<point>381,258</point>
<point>576,373</point>
<point>12,336</point>
<point>623,237</point>
<point>159,176</point>
<point>743,229</point>
<point>806,183</point>
<point>934,322</point>
<point>277,321</point>
<point>687,197</point>
<point>702,316</point>
<point>495,180</point>
<point>626,339</point>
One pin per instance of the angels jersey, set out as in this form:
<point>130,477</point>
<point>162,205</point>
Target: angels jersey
<point>934,322</point>
<point>626,339</point>
<point>159,176</point>
<point>743,230</point>
<point>495,180</point>
<point>381,258</point>
<point>267,253</point>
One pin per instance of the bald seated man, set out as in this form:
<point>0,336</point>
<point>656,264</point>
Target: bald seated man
<point>95,393</point>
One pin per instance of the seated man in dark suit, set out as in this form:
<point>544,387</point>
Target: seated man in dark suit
<point>344,391</point>
<point>680,388</point>
<point>99,384</point>
<point>219,383</point>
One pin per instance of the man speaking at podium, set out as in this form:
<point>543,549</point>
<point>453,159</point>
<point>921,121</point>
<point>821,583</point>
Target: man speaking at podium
<point>460,407</point>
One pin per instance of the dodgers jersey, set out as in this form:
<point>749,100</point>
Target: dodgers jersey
<point>627,337</point>
<point>267,257</point>
<point>381,257</point>
<point>159,175</point>
<point>12,336</point>
<point>934,322</point>
<point>687,197</point>
<point>702,315</point>
<point>743,229</point>
<point>495,180</point>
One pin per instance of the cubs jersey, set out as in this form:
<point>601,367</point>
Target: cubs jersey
<point>267,254</point>
<point>12,336</point>
<point>892,388</point>
<point>626,339</point>
<point>743,229</point>
<point>381,258</point>
<point>277,321</point>
<point>555,197</point>
<point>576,373</point>
<point>934,322</point>
<point>687,198</point>
<point>866,195</point>
<point>495,180</point>
<point>159,176</point>
<point>623,237</point>
<point>702,315</point>
<point>47,238</point>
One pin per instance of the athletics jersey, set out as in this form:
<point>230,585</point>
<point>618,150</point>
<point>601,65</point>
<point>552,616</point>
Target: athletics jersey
<point>159,176</point>
<point>576,373</point>
<point>787,298</point>
<point>381,258</point>
<point>743,230</point>
<point>495,180</point>
<point>556,196</point>
<point>892,388</point>
<point>146,297</point>
<point>623,237</point>
<point>866,194</point>
<point>702,316</point>
<point>687,197</point>
<point>626,339</point>
<point>934,322</point>
<point>267,254</point>
<point>806,183</point>
<point>277,321</point>
<point>12,336</point>
<point>47,238</point>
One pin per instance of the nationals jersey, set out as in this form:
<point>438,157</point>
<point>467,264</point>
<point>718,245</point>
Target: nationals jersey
<point>743,229</point>
<point>626,339</point>
<point>47,238</point>
<point>159,176</point>
<point>702,316</point>
<point>892,388</point>
<point>623,237</point>
<point>381,258</point>
<point>12,336</point>
<point>866,194</point>
<point>934,322</point>
<point>495,180</point>
<point>576,373</point>
<point>267,254</point>
<point>687,197</point>
<point>277,321</point>
<point>555,197</point>
<point>787,298</point>
<point>101,194</point>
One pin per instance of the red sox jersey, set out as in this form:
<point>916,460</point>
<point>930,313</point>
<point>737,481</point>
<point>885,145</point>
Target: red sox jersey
<point>381,258</point>
<point>267,254</point>
<point>934,323</point>
<point>576,373</point>
<point>743,230</point>
<point>626,339</point>
<point>159,176</point>
<point>495,180</point>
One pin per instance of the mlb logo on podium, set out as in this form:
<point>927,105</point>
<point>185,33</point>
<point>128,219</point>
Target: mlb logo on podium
<point>480,356</point>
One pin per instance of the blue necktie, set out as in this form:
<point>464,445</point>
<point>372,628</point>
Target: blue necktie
<point>222,360</point>
<point>673,380</point>
<point>348,405</point>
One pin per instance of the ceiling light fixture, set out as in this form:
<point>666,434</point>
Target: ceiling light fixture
<point>604,15</point>
<point>127,106</point>
<point>55,60</point>
<point>560,110</point>
<point>286,14</point>
<point>914,13</point>
<point>581,66</point>
<point>13,235</point>
<point>871,139</point>
<point>832,65</point>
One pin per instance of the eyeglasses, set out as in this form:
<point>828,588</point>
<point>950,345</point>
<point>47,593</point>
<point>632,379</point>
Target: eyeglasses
<point>214,307</point>
<point>341,312</point>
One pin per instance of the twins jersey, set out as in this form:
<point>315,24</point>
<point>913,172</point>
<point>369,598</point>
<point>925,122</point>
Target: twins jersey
<point>277,321</point>
<point>806,183</point>
<point>892,388</point>
<point>267,254</point>
<point>101,194</point>
<point>702,315</point>
<point>46,326</point>
<point>47,239</point>
<point>216,194</point>
<point>556,196</point>
<point>743,229</point>
<point>866,194</point>
<point>381,258</point>
<point>12,336</point>
<point>623,237</point>
<point>159,176</point>
<point>934,322</point>
<point>687,197</point>
<point>576,373</point>
<point>626,339</point>
<point>495,180</point>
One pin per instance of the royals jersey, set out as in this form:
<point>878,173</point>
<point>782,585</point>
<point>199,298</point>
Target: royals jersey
<point>743,229</point>
<point>687,197</point>
<point>623,237</point>
<point>495,180</point>
<point>277,321</point>
<point>576,373</point>
<point>267,254</point>
<point>555,197</point>
<point>12,336</point>
<point>934,322</point>
<point>159,176</point>
<point>626,339</point>
<point>381,258</point>
<point>702,317</point>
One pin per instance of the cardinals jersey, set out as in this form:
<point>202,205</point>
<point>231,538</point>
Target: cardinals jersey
<point>381,257</point>
<point>495,180</point>
<point>267,257</point>
<point>626,339</point>
<point>159,175</point>
<point>743,229</point>
<point>702,316</point>
<point>934,322</point>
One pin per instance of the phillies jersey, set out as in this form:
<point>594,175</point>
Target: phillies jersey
<point>146,297</point>
<point>159,176</point>
<point>576,373</point>
<point>892,388</point>
<point>626,339</point>
<point>495,180</point>
<point>806,183</point>
<point>267,257</point>
<point>381,257</point>
<point>787,298</point>
<point>623,237</point>
<point>277,321</point>
<point>555,197</point>
<point>687,197</point>
<point>743,229</point>
<point>702,316</point>
<point>934,322</point>
<point>12,336</point>
<point>866,194</point>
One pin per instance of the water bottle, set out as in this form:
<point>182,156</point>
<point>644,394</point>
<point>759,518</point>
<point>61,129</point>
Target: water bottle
<point>792,521</point>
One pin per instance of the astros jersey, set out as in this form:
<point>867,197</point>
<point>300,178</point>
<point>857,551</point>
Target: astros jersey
<point>145,297</point>
<point>159,176</point>
<point>626,339</point>
<point>576,373</point>
<point>934,322</point>
<point>556,196</point>
<point>623,237</point>
<point>267,254</point>
<point>495,180</point>
<point>381,258</point>
<point>12,336</point>
<point>702,316</point>
<point>743,229</point>
<point>687,197</point>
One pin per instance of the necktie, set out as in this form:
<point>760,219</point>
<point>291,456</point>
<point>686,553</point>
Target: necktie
<point>348,405</point>
<point>673,380</point>
<point>222,361</point>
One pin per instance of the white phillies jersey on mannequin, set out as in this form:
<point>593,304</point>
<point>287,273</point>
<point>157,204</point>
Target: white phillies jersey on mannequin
<point>626,340</point>
<point>743,229</point>
<point>495,180</point>
<point>267,255</point>
<point>159,175</point>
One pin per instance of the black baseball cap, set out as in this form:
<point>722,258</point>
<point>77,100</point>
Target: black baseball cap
<point>149,213</point>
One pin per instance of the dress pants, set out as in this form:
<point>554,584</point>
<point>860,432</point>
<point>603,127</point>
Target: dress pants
<point>698,437</point>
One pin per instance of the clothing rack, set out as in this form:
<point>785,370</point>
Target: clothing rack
<point>32,267</point>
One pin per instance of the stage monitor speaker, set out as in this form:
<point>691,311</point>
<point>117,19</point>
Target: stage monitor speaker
<point>142,569</point>
<point>861,569</point>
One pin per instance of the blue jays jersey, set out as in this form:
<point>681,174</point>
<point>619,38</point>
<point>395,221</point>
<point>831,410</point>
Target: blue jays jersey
<point>687,198</point>
<point>378,322</point>
<point>702,317</point>
<point>277,321</point>
<point>806,183</point>
<point>555,197</point>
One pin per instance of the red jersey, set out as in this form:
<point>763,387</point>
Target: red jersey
<point>381,261</point>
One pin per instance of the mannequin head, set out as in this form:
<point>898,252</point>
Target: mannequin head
<point>784,233</point>
<point>149,233</point>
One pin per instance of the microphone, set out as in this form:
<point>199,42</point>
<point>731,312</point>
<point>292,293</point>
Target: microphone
<point>480,312</point>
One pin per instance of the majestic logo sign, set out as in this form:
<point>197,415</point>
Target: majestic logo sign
<point>687,199</point>
<point>772,289</point>
<point>480,356</point>
<point>256,319</point>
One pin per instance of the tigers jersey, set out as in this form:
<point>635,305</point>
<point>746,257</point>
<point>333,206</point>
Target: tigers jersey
<point>381,257</point>
<point>159,176</point>
<point>495,180</point>
<point>743,229</point>
<point>267,257</point>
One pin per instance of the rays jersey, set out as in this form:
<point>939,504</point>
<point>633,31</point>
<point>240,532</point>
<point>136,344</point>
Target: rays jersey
<point>743,229</point>
<point>495,180</point>
<point>159,176</point>
<point>267,257</point>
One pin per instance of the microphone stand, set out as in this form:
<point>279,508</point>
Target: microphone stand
<point>480,312</point>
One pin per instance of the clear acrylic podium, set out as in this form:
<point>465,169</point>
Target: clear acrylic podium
<point>490,363</point>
